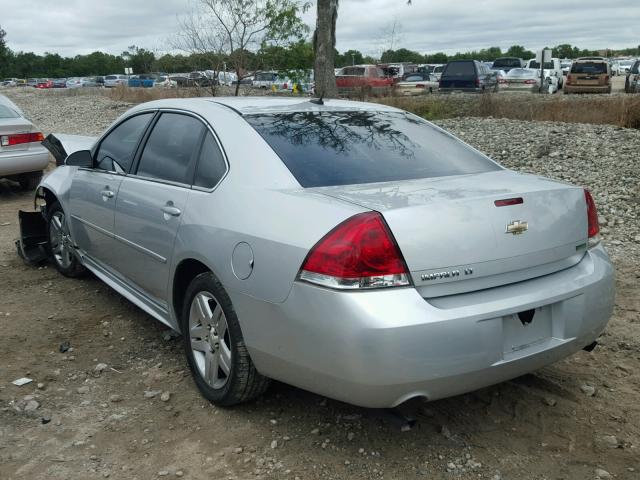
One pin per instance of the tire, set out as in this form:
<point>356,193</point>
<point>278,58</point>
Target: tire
<point>59,244</point>
<point>29,181</point>
<point>217,355</point>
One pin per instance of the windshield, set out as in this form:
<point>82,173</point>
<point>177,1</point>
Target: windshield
<point>589,67</point>
<point>507,62</point>
<point>459,68</point>
<point>345,148</point>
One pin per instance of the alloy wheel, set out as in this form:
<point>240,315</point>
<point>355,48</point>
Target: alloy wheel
<point>59,240</point>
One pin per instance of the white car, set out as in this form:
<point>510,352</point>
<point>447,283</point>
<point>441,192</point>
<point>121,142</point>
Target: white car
<point>114,80</point>
<point>551,69</point>
<point>22,157</point>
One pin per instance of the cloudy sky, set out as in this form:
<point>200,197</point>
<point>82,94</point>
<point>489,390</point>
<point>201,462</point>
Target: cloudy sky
<point>75,27</point>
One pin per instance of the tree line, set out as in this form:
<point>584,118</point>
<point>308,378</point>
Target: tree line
<point>297,55</point>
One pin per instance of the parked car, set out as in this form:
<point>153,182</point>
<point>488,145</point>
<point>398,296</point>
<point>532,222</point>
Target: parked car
<point>32,82</point>
<point>74,82</point>
<point>59,83</point>
<point>417,84</point>
<point>398,70</point>
<point>144,80</point>
<point>552,69</point>
<point>22,158</point>
<point>363,79</point>
<point>9,82</point>
<point>501,77</point>
<point>164,81</point>
<point>566,66</point>
<point>625,66</point>
<point>632,80</point>
<point>614,66</point>
<point>588,75</point>
<point>437,71</point>
<point>334,279</point>
<point>78,82</point>
<point>468,76</point>
<point>115,79</point>
<point>44,83</point>
<point>507,63</point>
<point>528,80</point>
<point>264,80</point>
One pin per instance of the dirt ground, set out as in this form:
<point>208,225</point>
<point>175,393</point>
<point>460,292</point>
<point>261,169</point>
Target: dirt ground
<point>577,419</point>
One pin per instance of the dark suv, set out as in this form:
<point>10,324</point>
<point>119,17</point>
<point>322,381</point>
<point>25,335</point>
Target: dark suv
<point>468,76</point>
<point>632,82</point>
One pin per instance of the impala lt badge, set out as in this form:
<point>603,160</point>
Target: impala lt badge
<point>517,227</point>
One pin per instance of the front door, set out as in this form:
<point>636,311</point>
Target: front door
<point>94,191</point>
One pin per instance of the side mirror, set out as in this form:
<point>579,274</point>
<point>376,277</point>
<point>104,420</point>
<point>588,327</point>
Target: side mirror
<point>81,158</point>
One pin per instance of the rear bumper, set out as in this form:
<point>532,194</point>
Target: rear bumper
<point>23,161</point>
<point>587,88</point>
<point>379,349</point>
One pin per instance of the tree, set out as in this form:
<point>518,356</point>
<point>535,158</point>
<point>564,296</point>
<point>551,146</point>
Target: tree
<point>324,48</point>
<point>520,52</point>
<point>139,59</point>
<point>235,28</point>
<point>5,54</point>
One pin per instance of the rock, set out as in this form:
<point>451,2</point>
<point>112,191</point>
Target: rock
<point>179,473</point>
<point>31,406</point>
<point>550,401</point>
<point>169,335</point>
<point>350,436</point>
<point>588,390</point>
<point>115,398</point>
<point>165,396</point>
<point>600,473</point>
<point>163,473</point>
<point>41,386</point>
<point>46,419</point>
<point>64,347</point>
<point>238,450</point>
<point>82,390</point>
<point>274,444</point>
<point>152,393</point>
<point>610,441</point>
<point>99,368</point>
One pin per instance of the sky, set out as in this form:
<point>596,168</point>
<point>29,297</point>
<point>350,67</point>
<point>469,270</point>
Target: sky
<point>75,27</point>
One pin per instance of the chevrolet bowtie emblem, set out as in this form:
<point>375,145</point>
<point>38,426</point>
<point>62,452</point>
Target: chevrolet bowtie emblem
<point>517,227</point>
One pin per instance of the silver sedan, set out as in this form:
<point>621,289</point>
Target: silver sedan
<point>22,158</point>
<point>351,249</point>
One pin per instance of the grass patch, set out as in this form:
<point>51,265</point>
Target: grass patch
<point>620,110</point>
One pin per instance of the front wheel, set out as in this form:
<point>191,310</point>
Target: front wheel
<point>60,245</point>
<point>217,355</point>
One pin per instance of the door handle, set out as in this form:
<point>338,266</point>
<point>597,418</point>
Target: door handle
<point>107,193</point>
<point>171,210</point>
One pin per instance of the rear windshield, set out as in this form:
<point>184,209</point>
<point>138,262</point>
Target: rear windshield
<point>345,148</point>
<point>358,71</point>
<point>547,65</point>
<point>459,68</point>
<point>589,67</point>
<point>506,62</point>
<point>110,77</point>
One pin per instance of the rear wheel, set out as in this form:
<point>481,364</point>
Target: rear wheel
<point>215,348</point>
<point>60,244</point>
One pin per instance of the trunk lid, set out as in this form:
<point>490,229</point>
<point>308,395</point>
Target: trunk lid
<point>455,239</point>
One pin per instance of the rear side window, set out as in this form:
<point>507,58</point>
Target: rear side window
<point>211,166</point>
<point>459,68</point>
<point>171,149</point>
<point>344,148</point>
<point>358,71</point>
<point>116,150</point>
<point>589,67</point>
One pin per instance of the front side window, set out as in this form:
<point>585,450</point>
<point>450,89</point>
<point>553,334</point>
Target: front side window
<point>118,147</point>
<point>345,148</point>
<point>170,152</point>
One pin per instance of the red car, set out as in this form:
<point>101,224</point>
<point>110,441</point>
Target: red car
<point>364,79</point>
<point>44,83</point>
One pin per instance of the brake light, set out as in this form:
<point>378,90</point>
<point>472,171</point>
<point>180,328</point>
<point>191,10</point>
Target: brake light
<point>569,79</point>
<point>606,79</point>
<point>419,85</point>
<point>477,82</point>
<point>20,138</point>
<point>593,226</point>
<point>529,82</point>
<point>359,253</point>
<point>502,81</point>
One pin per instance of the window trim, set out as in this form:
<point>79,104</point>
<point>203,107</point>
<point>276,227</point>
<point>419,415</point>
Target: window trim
<point>208,128</point>
<point>94,150</point>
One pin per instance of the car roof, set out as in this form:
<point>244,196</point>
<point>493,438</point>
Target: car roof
<point>257,105</point>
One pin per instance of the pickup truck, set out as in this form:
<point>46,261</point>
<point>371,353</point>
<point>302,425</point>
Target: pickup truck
<point>552,69</point>
<point>363,79</point>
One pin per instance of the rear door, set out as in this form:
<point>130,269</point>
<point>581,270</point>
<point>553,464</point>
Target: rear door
<point>151,201</point>
<point>94,190</point>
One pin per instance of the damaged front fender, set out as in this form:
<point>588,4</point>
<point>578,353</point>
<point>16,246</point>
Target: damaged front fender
<point>62,145</point>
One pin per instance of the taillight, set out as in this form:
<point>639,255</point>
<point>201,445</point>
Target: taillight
<point>606,79</point>
<point>477,82</point>
<point>420,85</point>
<point>569,79</point>
<point>593,227</point>
<point>359,253</point>
<point>502,81</point>
<point>20,138</point>
<point>529,82</point>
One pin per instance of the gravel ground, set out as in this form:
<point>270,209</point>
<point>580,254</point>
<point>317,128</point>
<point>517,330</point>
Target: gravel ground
<point>120,402</point>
